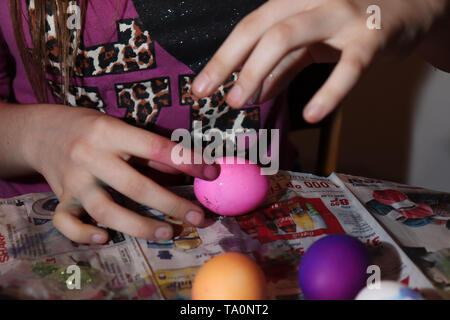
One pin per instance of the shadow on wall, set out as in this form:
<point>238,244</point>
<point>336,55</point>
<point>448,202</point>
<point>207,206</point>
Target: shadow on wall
<point>376,132</point>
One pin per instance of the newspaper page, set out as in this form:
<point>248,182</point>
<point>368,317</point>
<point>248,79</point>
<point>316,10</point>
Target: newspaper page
<point>417,218</point>
<point>34,258</point>
<point>300,209</point>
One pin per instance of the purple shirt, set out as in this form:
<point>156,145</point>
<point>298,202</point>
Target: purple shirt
<point>123,71</point>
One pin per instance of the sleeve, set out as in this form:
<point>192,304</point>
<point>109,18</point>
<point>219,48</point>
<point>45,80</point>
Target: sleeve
<point>6,70</point>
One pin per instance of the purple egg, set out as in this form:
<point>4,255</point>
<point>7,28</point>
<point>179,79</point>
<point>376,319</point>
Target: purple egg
<point>333,268</point>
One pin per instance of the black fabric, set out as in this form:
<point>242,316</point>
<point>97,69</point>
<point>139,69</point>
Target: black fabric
<point>192,30</point>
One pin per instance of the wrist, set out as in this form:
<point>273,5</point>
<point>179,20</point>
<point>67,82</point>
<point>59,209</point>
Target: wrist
<point>35,135</point>
<point>16,128</point>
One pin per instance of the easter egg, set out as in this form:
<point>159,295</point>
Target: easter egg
<point>229,276</point>
<point>333,268</point>
<point>239,188</point>
<point>388,290</point>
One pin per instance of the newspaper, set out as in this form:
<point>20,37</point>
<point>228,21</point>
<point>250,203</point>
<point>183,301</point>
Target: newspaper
<point>300,209</point>
<point>418,219</point>
<point>33,253</point>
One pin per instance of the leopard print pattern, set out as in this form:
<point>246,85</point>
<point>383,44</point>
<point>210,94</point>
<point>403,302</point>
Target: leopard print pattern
<point>133,52</point>
<point>143,100</point>
<point>214,112</point>
<point>87,97</point>
<point>51,41</point>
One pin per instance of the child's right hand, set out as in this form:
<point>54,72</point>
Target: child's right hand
<point>79,151</point>
<point>275,42</point>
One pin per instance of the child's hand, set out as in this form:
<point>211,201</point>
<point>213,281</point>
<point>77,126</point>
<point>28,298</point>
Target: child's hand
<point>79,151</point>
<point>282,37</point>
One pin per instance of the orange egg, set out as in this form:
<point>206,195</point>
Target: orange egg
<point>229,276</point>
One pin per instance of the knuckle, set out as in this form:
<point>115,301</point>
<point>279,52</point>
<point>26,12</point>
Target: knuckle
<point>99,126</point>
<point>176,209</point>
<point>217,63</point>
<point>347,8</point>
<point>70,181</point>
<point>331,93</point>
<point>247,24</point>
<point>281,33</point>
<point>57,219</point>
<point>348,11</point>
<point>248,77</point>
<point>98,129</point>
<point>72,232</point>
<point>356,59</point>
<point>77,235</point>
<point>146,230</point>
<point>157,145</point>
<point>79,150</point>
<point>136,188</point>
<point>99,211</point>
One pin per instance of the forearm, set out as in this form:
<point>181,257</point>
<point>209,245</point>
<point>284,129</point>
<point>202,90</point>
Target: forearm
<point>16,128</point>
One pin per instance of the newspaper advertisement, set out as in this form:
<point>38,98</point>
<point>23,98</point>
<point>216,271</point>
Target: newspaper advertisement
<point>300,209</point>
<point>417,218</point>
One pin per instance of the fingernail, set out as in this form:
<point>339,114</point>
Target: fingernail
<point>194,218</point>
<point>201,83</point>
<point>99,238</point>
<point>234,97</point>
<point>211,172</point>
<point>313,113</point>
<point>254,99</point>
<point>163,233</point>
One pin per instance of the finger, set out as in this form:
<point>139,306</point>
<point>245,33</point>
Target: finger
<point>291,34</point>
<point>66,220</point>
<point>241,41</point>
<point>104,210</point>
<point>126,180</point>
<point>343,78</point>
<point>284,73</point>
<point>162,167</point>
<point>145,164</point>
<point>148,145</point>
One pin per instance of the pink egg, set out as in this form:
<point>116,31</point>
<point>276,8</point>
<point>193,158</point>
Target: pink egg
<point>239,189</point>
